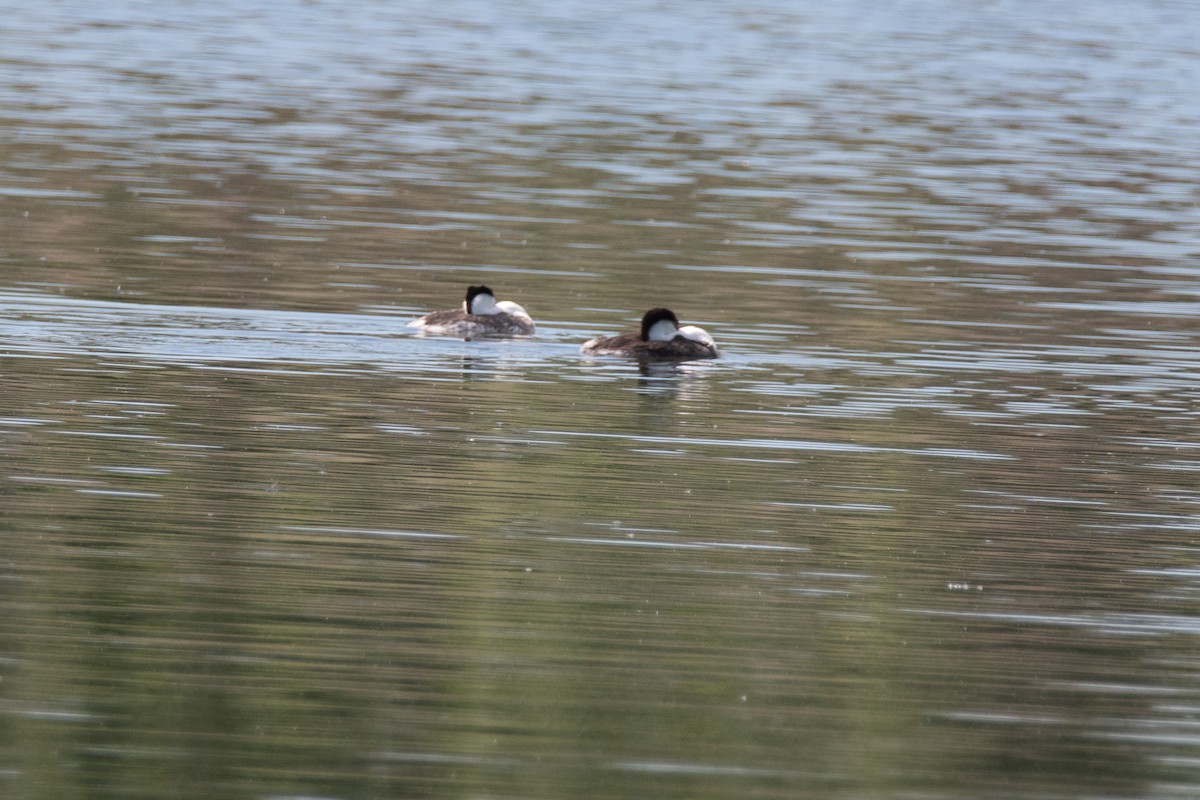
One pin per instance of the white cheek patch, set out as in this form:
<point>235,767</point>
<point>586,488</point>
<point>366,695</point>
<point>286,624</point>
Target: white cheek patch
<point>484,304</point>
<point>662,331</point>
<point>696,335</point>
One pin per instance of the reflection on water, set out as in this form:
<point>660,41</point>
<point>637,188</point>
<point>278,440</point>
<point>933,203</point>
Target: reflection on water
<point>926,530</point>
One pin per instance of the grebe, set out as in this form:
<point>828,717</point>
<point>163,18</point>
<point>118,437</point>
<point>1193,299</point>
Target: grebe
<point>480,315</point>
<point>660,339</point>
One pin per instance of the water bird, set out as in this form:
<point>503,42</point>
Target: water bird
<point>660,339</point>
<point>481,315</point>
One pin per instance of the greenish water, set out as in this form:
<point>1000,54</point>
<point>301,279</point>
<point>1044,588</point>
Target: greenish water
<point>927,530</point>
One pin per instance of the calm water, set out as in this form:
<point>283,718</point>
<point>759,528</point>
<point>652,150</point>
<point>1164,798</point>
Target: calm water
<point>931,529</point>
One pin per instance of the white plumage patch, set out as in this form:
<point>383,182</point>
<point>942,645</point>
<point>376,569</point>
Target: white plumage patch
<point>484,305</point>
<point>696,335</point>
<point>509,307</point>
<point>662,331</point>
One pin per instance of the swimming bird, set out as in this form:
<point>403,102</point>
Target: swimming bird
<point>481,315</point>
<point>660,339</point>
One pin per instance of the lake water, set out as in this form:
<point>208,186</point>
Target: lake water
<point>929,529</point>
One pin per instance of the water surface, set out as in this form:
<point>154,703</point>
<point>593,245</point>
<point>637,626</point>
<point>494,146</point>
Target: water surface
<point>927,530</point>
